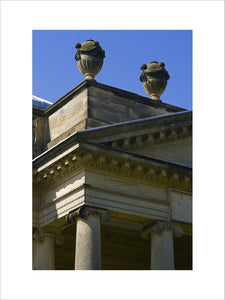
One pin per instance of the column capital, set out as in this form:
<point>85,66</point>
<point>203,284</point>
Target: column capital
<point>161,226</point>
<point>40,234</point>
<point>85,211</point>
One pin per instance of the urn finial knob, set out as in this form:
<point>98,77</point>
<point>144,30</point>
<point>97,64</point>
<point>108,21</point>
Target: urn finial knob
<point>154,77</point>
<point>89,57</point>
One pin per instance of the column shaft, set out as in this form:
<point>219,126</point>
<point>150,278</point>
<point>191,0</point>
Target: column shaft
<point>162,252</point>
<point>88,244</point>
<point>44,254</point>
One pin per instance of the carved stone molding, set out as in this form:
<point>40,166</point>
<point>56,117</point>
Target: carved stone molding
<point>38,236</point>
<point>152,139</point>
<point>56,172</point>
<point>159,227</point>
<point>89,57</point>
<point>154,77</point>
<point>51,175</point>
<point>86,211</point>
<point>140,171</point>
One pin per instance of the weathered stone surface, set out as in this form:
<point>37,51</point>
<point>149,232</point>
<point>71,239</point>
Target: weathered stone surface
<point>181,206</point>
<point>44,253</point>
<point>38,132</point>
<point>66,117</point>
<point>137,170</point>
<point>154,77</point>
<point>109,106</point>
<point>92,104</point>
<point>178,152</point>
<point>89,58</point>
<point>125,185</point>
<point>162,252</point>
<point>88,244</point>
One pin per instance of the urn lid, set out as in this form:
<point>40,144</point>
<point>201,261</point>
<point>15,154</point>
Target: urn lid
<point>87,46</point>
<point>154,66</point>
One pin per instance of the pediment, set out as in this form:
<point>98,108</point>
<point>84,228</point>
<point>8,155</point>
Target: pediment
<point>176,152</point>
<point>167,138</point>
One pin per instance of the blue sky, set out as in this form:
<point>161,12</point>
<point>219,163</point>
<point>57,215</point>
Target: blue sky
<point>55,70</point>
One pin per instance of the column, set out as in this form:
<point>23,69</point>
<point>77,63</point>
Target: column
<point>43,251</point>
<point>162,251</point>
<point>88,237</point>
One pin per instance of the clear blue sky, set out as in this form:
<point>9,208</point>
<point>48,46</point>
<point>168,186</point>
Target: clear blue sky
<point>55,70</point>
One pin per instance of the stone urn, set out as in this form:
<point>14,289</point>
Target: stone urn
<point>154,77</point>
<point>89,57</point>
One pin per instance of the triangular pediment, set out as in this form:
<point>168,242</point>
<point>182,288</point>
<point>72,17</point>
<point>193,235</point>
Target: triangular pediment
<point>167,138</point>
<point>178,151</point>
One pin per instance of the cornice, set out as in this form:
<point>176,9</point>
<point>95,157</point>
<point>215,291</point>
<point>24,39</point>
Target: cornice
<point>116,91</point>
<point>151,139</point>
<point>141,172</point>
<point>159,129</point>
<point>149,125</point>
<point>131,166</point>
<point>54,173</point>
<point>135,97</point>
<point>37,111</point>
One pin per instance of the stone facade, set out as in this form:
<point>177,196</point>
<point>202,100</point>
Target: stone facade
<point>112,182</point>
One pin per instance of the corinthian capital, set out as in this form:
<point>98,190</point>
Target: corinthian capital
<point>159,227</point>
<point>85,211</point>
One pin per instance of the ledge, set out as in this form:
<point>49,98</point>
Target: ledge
<point>118,92</point>
<point>98,132</point>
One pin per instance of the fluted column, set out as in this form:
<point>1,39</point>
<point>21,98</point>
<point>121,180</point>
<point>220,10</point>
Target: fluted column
<point>88,237</point>
<point>162,250</point>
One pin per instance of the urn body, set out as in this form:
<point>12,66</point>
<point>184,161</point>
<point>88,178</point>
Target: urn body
<point>154,77</point>
<point>89,57</point>
<point>89,65</point>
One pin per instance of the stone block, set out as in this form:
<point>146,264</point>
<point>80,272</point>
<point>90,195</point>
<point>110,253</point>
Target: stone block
<point>181,206</point>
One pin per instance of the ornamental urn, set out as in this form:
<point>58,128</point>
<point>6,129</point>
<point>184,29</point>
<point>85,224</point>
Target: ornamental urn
<point>89,57</point>
<point>154,77</point>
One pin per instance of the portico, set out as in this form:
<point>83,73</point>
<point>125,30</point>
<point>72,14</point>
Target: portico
<point>90,192</point>
<point>112,178</point>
